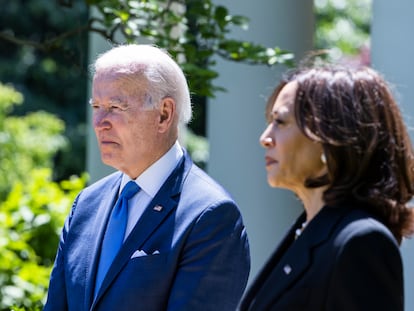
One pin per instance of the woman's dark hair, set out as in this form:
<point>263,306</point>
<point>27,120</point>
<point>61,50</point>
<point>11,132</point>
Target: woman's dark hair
<point>354,115</point>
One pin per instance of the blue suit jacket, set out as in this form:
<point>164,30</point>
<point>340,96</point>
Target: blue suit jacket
<point>344,260</point>
<point>193,235</point>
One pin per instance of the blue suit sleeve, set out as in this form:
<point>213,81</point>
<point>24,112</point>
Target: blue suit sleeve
<point>56,297</point>
<point>215,265</point>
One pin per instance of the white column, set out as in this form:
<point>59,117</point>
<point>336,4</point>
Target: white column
<point>236,120</point>
<point>94,166</point>
<point>393,55</point>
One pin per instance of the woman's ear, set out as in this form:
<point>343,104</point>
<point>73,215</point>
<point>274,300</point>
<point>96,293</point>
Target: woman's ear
<point>167,114</point>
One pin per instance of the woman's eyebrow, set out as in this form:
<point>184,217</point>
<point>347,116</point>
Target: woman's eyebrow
<point>280,111</point>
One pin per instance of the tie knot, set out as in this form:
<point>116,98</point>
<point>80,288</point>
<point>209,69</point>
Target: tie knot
<point>130,189</point>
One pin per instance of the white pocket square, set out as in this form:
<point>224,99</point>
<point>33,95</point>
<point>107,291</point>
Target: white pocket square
<point>140,253</point>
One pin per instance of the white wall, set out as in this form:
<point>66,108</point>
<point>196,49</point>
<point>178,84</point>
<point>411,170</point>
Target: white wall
<point>236,119</point>
<point>94,166</point>
<point>393,55</point>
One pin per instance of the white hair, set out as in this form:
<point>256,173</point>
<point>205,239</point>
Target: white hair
<point>165,78</point>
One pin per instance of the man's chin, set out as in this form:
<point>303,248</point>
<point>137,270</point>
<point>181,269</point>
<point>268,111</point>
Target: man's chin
<point>109,160</point>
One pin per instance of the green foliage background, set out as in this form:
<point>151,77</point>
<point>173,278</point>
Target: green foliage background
<point>343,28</point>
<point>51,76</point>
<point>32,205</point>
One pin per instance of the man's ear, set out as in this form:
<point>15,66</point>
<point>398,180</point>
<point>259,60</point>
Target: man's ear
<point>167,114</point>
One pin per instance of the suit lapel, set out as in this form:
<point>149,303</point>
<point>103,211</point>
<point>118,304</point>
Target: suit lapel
<point>98,228</point>
<point>289,263</point>
<point>160,207</point>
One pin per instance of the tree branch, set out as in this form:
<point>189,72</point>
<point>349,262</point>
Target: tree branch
<point>7,37</point>
<point>49,44</point>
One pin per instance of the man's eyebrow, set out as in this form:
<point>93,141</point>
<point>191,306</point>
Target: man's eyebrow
<point>115,101</point>
<point>118,101</point>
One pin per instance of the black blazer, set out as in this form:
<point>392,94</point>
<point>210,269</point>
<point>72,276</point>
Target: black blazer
<point>344,260</point>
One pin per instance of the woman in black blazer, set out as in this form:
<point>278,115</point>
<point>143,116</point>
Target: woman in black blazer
<point>336,138</point>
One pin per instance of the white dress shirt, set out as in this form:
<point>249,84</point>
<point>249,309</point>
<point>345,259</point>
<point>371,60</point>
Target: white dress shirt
<point>150,181</point>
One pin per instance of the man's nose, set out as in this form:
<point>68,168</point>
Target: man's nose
<point>101,118</point>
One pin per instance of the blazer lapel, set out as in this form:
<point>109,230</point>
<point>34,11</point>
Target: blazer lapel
<point>159,208</point>
<point>252,293</point>
<point>289,263</point>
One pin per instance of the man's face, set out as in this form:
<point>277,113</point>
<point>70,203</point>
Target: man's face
<point>127,133</point>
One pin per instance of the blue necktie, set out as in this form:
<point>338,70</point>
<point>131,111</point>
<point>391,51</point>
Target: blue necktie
<point>115,231</point>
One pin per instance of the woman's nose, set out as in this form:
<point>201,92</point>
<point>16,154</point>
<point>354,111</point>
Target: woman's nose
<point>266,140</point>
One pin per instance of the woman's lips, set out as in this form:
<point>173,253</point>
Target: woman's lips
<point>270,161</point>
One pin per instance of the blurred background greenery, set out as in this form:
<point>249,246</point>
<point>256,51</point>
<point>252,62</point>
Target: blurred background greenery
<point>43,80</point>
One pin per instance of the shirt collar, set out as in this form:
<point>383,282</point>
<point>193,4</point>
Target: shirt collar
<point>154,176</point>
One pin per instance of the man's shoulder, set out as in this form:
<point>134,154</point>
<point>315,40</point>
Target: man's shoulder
<point>202,186</point>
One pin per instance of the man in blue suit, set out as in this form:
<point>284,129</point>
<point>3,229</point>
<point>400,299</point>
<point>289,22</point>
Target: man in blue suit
<point>183,243</point>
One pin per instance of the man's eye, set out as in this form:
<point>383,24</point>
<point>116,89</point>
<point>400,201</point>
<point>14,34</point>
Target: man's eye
<point>118,108</point>
<point>110,108</point>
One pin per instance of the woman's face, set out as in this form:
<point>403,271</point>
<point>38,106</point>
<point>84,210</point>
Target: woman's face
<point>291,157</point>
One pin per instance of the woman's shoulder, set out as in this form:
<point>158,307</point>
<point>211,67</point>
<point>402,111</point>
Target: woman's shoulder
<point>358,226</point>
